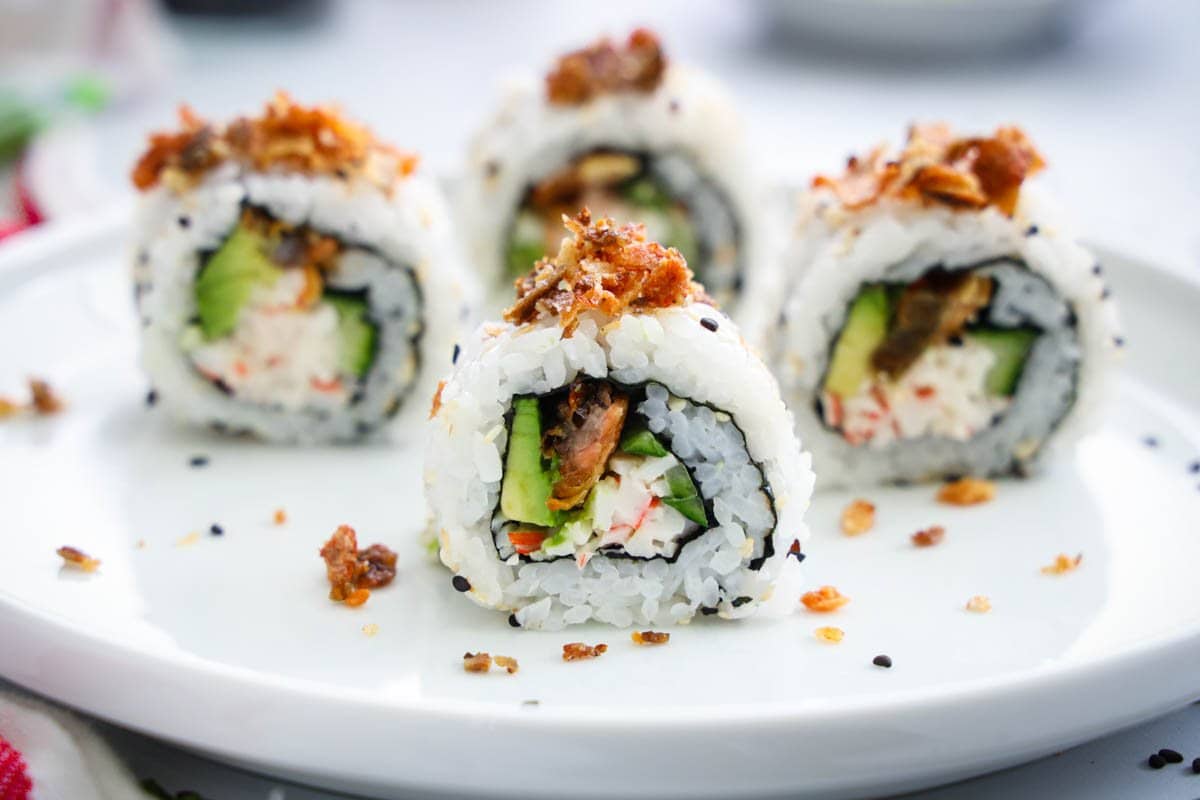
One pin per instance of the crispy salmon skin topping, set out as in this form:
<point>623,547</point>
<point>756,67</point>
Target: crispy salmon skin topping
<point>938,167</point>
<point>604,67</point>
<point>589,427</point>
<point>309,139</point>
<point>603,267</point>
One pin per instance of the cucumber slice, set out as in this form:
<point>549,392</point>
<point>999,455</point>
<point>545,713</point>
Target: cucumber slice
<point>356,334</point>
<point>527,483</point>
<point>1011,347</point>
<point>684,498</point>
<point>641,442</point>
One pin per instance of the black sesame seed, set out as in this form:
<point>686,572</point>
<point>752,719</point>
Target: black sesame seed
<point>1156,761</point>
<point>707,611</point>
<point>1150,441</point>
<point>1097,269</point>
<point>1194,467</point>
<point>491,169</point>
<point>198,461</point>
<point>1119,341</point>
<point>185,222</point>
<point>1196,765</point>
<point>955,341</point>
<point>1105,293</point>
<point>1032,230</point>
<point>741,601</point>
<point>708,323</point>
<point>454,356</point>
<point>216,530</point>
<point>882,661</point>
<point>1170,756</point>
<point>513,621</point>
<point>461,584</point>
<point>151,397</point>
<point>674,105</point>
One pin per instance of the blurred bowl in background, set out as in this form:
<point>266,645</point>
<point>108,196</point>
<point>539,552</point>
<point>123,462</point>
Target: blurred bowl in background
<point>924,28</point>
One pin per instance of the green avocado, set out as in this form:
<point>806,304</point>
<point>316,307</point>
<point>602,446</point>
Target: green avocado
<point>684,498</point>
<point>527,482</point>
<point>356,334</point>
<point>1011,347</point>
<point>866,327</point>
<point>227,279</point>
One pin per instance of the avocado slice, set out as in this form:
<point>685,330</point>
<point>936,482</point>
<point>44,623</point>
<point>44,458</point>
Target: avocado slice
<point>641,442</point>
<point>1011,347</point>
<point>527,482</point>
<point>684,498</point>
<point>356,333</point>
<point>646,193</point>
<point>865,329</point>
<point>227,279</point>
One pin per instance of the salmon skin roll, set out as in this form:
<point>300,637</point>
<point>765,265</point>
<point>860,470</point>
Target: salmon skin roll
<point>294,275</point>
<point>619,128</point>
<point>940,319</point>
<point>613,450</point>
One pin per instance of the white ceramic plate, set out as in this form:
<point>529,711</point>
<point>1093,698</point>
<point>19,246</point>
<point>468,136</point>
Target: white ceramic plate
<point>229,645</point>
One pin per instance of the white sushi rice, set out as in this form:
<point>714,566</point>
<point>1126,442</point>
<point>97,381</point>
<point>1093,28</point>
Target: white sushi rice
<point>468,436</point>
<point>835,251</point>
<point>399,250</point>
<point>688,123</point>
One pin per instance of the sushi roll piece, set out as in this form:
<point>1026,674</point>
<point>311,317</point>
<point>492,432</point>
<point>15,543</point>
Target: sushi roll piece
<point>294,275</point>
<point>620,129</point>
<point>940,319</point>
<point>614,450</point>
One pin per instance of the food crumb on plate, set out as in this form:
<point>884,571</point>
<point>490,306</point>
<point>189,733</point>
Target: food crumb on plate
<point>477,662</point>
<point>370,629</point>
<point>829,634</point>
<point>979,604</point>
<point>351,572</point>
<point>824,600</point>
<point>930,536</point>
<point>650,637</point>
<point>280,516</point>
<point>1062,564</point>
<point>577,651</point>
<point>858,517</point>
<point>74,557</point>
<point>508,663</point>
<point>967,492</point>
<point>45,400</point>
<point>188,540</point>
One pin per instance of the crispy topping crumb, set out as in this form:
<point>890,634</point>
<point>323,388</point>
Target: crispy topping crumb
<point>8,408</point>
<point>829,635</point>
<point>509,664</point>
<point>74,557</point>
<point>929,536</point>
<point>603,67</point>
<point>650,637</point>
<point>824,600</point>
<point>45,401</point>
<point>966,492</point>
<point>858,517</point>
<point>577,651</point>
<point>979,604</point>
<point>1062,564</point>
<point>436,406</point>
<point>279,517</point>
<point>309,139</point>
<point>603,267</point>
<point>477,662</point>
<point>352,573</point>
<point>188,539</point>
<point>370,629</point>
<point>937,167</point>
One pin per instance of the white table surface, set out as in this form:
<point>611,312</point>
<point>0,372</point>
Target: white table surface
<point>1115,106</point>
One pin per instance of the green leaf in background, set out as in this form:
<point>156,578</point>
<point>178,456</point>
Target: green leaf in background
<point>19,121</point>
<point>88,93</point>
